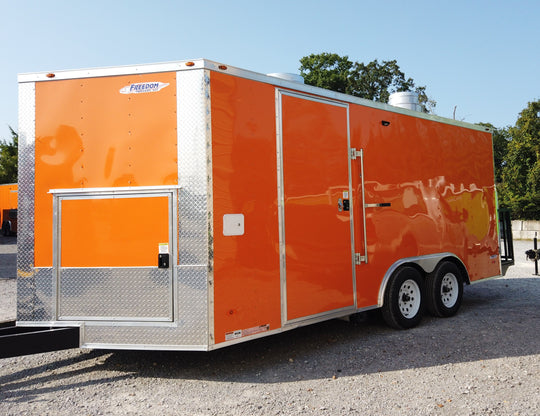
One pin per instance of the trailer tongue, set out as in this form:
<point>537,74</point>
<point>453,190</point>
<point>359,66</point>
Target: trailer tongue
<point>16,341</point>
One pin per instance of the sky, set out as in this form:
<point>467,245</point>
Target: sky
<point>478,58</point>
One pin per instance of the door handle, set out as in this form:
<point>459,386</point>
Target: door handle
<point>381,204</point>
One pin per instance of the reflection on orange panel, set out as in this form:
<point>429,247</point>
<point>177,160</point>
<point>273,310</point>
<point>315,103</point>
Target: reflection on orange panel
<point>317,234</point>
<point>439,181</point>
<point>246,267</point>
<point>90,134</point>
<point>113,232</point>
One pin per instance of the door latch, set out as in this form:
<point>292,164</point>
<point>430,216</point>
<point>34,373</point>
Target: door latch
<point>343,205</point>
<point>163,260</point>
<point>358,258</point>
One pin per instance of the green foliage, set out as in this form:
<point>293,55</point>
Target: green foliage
<point>328,70</point>
<point>373,81</point>
<point>8,158</point>
<point>520,188</point>
<point>428,103</point>
<point>501,138</point>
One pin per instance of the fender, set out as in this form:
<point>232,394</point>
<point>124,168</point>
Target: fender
<point>426,263</point>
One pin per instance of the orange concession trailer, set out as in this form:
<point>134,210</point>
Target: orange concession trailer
<point>8,208</point>
<point>193,205</point>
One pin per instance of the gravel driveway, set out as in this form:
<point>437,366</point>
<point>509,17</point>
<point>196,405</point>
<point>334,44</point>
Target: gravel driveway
<point>485,360</point>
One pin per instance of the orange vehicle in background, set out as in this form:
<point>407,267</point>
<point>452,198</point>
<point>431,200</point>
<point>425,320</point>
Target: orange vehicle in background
<point>274,205</point>
<point>8,208</point>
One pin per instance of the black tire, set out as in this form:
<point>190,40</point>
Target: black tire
<point>444,290</point>
<point>403,301</point>
<point>5,229</point>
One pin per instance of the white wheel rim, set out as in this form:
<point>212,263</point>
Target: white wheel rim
<point>409,298</point>
<point>449,290</point>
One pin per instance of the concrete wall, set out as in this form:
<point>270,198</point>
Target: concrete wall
<point>524,230</point>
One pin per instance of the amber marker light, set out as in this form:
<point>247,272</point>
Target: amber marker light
<point>222,67</point>
<point>50,75</point>
<point>190,63</point>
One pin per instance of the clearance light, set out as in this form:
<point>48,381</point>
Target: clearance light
<point>190,63</point>
<point>222,67</point>
<point>50,75</point>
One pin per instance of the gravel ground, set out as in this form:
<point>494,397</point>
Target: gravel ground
<point>485,360</point>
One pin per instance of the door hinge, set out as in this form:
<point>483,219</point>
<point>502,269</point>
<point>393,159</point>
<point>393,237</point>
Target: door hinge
<point>358,258</point>
<point>355,153</point>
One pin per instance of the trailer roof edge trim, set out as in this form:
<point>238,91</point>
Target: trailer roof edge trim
<point>194,64</point>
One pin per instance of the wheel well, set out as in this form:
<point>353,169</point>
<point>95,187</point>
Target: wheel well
<point>425,265</point>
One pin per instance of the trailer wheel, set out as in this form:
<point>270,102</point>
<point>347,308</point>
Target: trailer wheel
<point>403,304</point>
<point>444,290</point>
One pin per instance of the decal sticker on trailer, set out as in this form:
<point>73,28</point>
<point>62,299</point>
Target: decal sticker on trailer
<point>163,248</point>
<point>142,87</point>
<point>246,332</point>
<point>233,335</point>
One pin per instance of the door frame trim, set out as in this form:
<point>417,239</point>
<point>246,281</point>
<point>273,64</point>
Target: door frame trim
<point>59,195</point>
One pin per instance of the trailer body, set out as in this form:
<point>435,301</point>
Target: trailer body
<point>193,205</point>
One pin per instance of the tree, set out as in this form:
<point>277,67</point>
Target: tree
<point>373,81</point>
<point>8,158</point>
<point>520,190</point>
<point>328,70</point>
<point>501,137</point>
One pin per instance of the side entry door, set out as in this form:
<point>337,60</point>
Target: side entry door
<point>316,215</point>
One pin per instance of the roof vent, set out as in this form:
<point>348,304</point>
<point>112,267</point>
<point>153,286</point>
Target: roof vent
<point>287,76</point>
<point>405,99</point>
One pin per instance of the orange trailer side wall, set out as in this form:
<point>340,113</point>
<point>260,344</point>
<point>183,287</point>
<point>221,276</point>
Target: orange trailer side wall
<point>89,135</point>
<point>8,198</point>
<point>439,180</point>
<point>246,268</point>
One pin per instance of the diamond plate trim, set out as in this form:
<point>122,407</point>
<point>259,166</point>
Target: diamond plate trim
<point>45,298</point>
<point>114,293</point>
<point>26,281</point>
<point>35,296</point>
<point>191,324</point>
<point>195,203</point>
<point>192,167</point>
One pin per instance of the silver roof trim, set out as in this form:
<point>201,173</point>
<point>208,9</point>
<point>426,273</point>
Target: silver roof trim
<point>243,73</point>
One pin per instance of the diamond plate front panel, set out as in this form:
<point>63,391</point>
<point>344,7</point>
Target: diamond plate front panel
<point>131,307</point>
<point>115,293</point>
